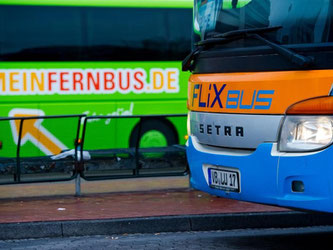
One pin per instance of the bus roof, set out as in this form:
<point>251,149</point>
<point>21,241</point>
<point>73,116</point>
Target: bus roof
<point>105,3</point>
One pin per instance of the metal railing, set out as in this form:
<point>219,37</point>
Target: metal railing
<point>110,162</point>
<point>136,153</point>
<point>42,161</point>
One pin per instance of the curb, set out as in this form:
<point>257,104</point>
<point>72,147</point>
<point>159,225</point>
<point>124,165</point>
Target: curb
<point>163,224</point>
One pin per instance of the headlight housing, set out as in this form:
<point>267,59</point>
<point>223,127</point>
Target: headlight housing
<point>308,125</point>
<point>306,133</point>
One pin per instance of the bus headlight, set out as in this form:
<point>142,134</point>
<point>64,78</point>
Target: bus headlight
<point>306,133</point>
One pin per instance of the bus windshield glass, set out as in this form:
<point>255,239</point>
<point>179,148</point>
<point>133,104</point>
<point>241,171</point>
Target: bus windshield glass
<point>302,21</point>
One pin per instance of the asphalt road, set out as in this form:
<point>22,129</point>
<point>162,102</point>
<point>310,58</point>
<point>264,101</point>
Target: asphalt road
<point>291,238</point>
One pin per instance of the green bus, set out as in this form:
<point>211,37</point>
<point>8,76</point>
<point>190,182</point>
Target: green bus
<point>93,57</point>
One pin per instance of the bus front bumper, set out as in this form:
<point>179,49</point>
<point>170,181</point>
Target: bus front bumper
<point>267,176</point>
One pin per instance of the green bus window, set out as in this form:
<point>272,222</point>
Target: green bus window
<point>35,32</point>
<point>52,33</point>
<point>109,34</point>
<point>137,38</point>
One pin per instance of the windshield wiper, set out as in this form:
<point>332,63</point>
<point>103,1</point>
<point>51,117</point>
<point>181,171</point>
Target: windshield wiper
<point>235,34</point>
<point>300,60</point>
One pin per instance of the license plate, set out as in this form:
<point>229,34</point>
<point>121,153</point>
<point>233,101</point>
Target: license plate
<point>224,179</point>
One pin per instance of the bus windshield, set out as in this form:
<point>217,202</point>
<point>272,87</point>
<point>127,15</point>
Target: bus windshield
<point>302,21</point>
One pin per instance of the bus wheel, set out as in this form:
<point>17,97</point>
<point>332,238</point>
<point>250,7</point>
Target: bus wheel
<point>154,133</point>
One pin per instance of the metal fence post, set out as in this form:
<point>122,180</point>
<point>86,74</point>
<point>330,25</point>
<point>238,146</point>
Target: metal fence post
<point>137,146</point>
<point>78,185</point>
<point>17,178</point>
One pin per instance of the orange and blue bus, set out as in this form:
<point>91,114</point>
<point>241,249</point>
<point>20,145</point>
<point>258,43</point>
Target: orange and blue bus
<point>260,101</point>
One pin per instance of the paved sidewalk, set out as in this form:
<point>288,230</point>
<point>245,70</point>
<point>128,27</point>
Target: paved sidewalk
<point>145,211</point>
<point>93,187</point>
<point>122,205</point>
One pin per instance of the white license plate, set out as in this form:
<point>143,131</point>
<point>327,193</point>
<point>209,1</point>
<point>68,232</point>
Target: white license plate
<point>227,180</point>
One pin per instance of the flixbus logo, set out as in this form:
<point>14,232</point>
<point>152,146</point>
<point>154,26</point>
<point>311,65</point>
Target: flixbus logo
<point>217,96</point>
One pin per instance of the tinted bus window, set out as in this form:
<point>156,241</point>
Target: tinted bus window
<point>303,22</point>
<point>93,34</point>
<point>30,33</point>
<point>136,37</point>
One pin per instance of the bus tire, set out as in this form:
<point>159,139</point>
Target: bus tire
<point>157,127</point>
